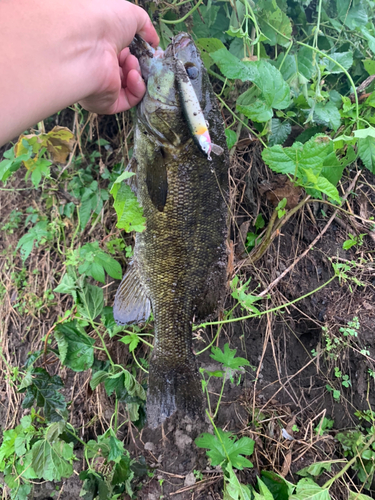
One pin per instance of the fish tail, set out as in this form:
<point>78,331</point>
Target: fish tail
<point>173,388</point>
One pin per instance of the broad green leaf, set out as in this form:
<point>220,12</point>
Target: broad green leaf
<point>279,131</point>
<point>67,285</point>
<point>277,485</point>
<point>132,340</point>
<point>77,346</point>
<point>345,59</point>
<point>116,449</point>
<point>258,111</point>
<point>231,138</point>
<point>275,91</point>
<point>85,212</point>
<point>327,114</point>
<point>94,486</point>
<point>52,460</point>
<point>45,392</point>
<point>272,22</point>
<point>129,213</point>
<point>353,17</point>
<point>369,65</point>
<point>365,132</point>
<point>97,378</point>
<point>370,39</point>
<point>122,471</point>
<point>297,69</point>
<point>234,490</point>
<point>307,489</point>
<point>206,46</point>
<point>92,299</point>
<point>265,493</point>
<point>366,151</point>
<point>232,67</point>
<point>41,168</point>
<point>7,446</point>
<point>358,496</point>
<point>36,235</point>
<point>228,357</point>
<point>315,469</point>
<point>227,445</point>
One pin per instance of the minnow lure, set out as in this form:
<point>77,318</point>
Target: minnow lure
<point>193,112</point>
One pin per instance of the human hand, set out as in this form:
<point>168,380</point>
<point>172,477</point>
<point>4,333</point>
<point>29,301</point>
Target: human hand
<point>119,82</point>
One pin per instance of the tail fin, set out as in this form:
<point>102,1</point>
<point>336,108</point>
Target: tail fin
<point>173,389</point>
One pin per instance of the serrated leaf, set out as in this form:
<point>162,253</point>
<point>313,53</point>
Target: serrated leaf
<point>279,131</point>
<point>77,345</point>
<point>122,471</point>
<point>315,469</point>
<point>132,340</point>
<point>232,67</point>
<point>45,392</point>
<point>33,237</point>
<point>129,213</point>
<point>327,114</point>
<point>227,446</point>
<point>228,358</point>
<point>116,449</point>
<point>97,378</point>
<point>345,59</point>
<point>366,151</point>
<point>92,299</point>
<point>272,22</point>
<point>307,489</point>
<point>355,17</point>
<point>358,496</point>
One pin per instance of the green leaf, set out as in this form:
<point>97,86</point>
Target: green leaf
<point>365,132</point>
<point>272,22</point>
<point>84,212</point>
<point>116,449</point>
<point>97,378</point>
<point>327,114</point>
<point>225,444</point>
<point>355,17</point>
<point>67,285</point>
<point>231,138</point>
<point>275,90</point>
<point>129,213</point>
<point>45,392</point>
<point>206,46</point>
<point>52,458</point>
<point>343,58</point>
<point>277,485</point>
<point>232,67</point>
<point>122,471</point>
<point>297,69</point>
<point>369,65</point>
<point>307,489</point>
<point>315,469</point>
<point>279,131</point>
<point>227,357</point>
<point>35,235</point>
<point>77,347</point>
<point>366,151</point>
<point>306,156</point>
<point>327,188</point>
<point>358,496</point>
<point>132,340</point>
<point>92,298</point>
<point>111,266</point>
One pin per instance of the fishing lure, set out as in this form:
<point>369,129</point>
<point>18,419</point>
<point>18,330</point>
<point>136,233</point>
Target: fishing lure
<point>193,112</point>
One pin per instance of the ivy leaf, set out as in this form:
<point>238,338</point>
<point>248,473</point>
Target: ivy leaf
<point>327,114</point>
<point>75,346</point>
<point>92,298</point>
<point>45,392</point>
<point>227,357</point>
<point>129,212</point>
<point>307,489</point>
<point>366,151</point>
<point>279,131</point>
<point>218,449</point>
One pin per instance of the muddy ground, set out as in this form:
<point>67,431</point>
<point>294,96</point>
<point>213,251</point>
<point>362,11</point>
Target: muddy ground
<point>286,383</point>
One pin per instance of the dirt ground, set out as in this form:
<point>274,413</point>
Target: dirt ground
<point>286,384</point>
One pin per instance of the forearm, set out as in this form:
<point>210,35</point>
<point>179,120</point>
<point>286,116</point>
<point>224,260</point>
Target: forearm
<point>41,54</point>
<point>54,53</point>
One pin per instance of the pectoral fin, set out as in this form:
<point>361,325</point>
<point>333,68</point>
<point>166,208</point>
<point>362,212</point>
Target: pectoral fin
<point>131,303</point>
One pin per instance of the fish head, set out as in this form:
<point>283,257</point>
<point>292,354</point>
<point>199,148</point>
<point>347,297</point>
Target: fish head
<point>160,110</point>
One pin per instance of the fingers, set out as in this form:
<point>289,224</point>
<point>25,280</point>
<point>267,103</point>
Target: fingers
<point>132,94</point>
<point>139,22</point>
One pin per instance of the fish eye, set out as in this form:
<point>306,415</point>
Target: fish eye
<point>191,70</point>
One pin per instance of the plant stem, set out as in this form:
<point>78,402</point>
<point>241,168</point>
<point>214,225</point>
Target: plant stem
<point>166,21</point>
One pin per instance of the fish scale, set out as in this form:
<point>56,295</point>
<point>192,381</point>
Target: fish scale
<point>180,259</point>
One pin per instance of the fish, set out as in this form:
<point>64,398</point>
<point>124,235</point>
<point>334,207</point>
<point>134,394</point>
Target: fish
<point>179,265</point>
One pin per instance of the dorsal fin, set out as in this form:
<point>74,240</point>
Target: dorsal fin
<point>131,303</point>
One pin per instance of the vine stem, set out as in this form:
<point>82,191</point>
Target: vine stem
<point>329,483</point>
<point>166,21</point>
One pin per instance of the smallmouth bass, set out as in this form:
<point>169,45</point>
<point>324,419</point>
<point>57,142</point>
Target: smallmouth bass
<point>179,265</point>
